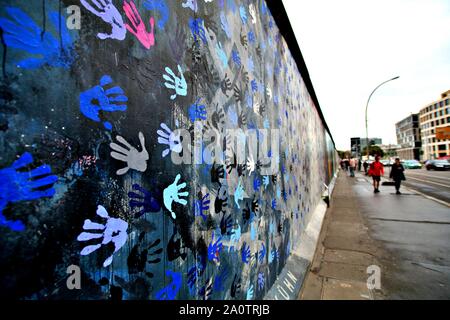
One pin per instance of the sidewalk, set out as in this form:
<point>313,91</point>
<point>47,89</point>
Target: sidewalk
<point>407,236</point>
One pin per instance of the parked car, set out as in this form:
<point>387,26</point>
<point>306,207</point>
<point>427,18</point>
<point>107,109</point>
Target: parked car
<point>438,165</point>
<point>412,164</point>
<point>386,162</point>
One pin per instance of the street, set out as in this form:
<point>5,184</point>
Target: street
<point>432,183</point>
<point>406,236</point>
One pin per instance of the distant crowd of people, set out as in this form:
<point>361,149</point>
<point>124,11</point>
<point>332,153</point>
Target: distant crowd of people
<point>375,169</point>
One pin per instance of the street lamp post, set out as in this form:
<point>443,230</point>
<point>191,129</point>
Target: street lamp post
<point>367,105</point>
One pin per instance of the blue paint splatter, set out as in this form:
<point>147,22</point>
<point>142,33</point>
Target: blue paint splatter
<point>162,8</point>
<point>170,292</point>
<point>16,186</point>
<point>24,34</point>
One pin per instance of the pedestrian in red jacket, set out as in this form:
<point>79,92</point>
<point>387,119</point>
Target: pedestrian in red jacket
<point>376,171</point>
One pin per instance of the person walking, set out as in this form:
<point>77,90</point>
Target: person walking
<point>397,174</point>
<point>365,165</point>
<point>376,171</point>
<point>352,167</point>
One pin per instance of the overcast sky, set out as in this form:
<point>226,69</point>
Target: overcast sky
<point>350,46</point>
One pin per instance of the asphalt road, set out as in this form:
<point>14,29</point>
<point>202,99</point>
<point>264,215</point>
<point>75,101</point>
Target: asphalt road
<point>431,183</point>
<point>412,233</point>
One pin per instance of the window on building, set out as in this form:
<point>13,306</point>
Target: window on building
<point>442,147</point>
<point>448,119</point>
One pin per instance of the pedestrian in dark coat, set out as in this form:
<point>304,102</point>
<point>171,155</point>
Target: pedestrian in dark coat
<point>397,174</point>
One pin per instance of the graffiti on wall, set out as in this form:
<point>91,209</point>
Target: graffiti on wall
<point>91,119</point>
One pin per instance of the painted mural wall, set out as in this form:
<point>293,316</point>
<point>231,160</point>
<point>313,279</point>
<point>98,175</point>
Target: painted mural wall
<point>93,96</point>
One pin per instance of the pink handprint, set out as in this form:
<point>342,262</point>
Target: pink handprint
<point>137,26</point>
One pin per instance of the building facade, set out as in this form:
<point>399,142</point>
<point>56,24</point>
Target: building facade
<point>408,137</point>
<point>434,121</point>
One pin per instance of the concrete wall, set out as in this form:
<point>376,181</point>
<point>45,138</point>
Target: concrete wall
<point>86,117</point>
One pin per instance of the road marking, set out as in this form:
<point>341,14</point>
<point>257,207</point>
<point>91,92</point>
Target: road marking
<point>430,197</point>
<point>411,221</point>
<point>428,176</point>
<point>423,180</point>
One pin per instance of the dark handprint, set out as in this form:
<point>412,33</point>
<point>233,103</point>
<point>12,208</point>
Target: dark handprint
<point>146,202</point>
<point>243,39</point>
<point>236,286</point>
<point>175,248</point>
<point>24,34</point>
<point>18,186</point>
<point>218,119</point>
<point>226,224</point>
<point>137,258</point>
<point>177,44</point>
<point>217,173</point>
<point>221,200</point>
<point>225,85</point>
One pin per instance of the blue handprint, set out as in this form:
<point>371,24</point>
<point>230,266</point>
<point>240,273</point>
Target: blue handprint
<point>176,83</point>
<point>250,292</point>
<point>197,29</point>
<point>214,249</point>
<point>262,253</point>
<point>253,232</point>
<point>250,64</point>
<point>239,194</point>
<point>161,6</point>
<point>245,253</point>
<point>251,37</point>
<point>147,201</point>
<point>232,115</point>
<point>196,111</point>
<point>254,85</point>
<point>256,184</point>
<point>114,230</point>
<point>224,24</point>
<point>261,281</point>
<point>222,55</point>
<point>220,279</point>
<point>24,34</point>
<point>172,193</point>
<point>202,205</point>
<point>18,186</point>
<point>266,181</point>
<point>243,14</point>
<point>97,99</point>
<point>274,204</point>
<point>170,291</point>
<point>236,58</point>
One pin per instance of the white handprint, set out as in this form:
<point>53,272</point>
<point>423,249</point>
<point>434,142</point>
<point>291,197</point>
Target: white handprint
<point>108,13</point>
<point>176,83</point>
<point>172,193</point>
<point>192,4</point>
<point>269,92</point>
<point>169,138</point>
<point>250,164</point>
<point>135,159</point>
<point>256,106</point>
<point>115,231</point>
<point>252,11</point>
